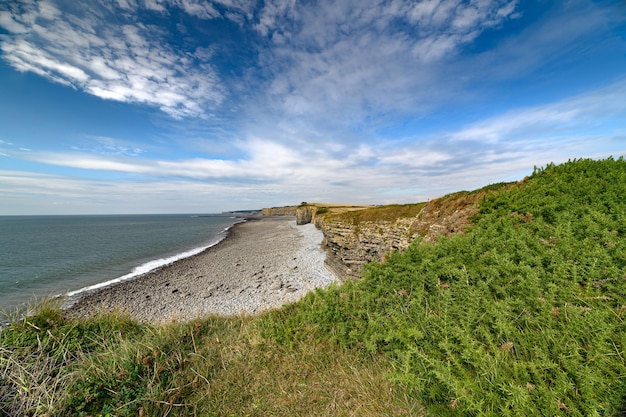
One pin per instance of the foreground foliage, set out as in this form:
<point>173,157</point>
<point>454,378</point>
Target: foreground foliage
<point>111,366</point>
<point>521,315</point>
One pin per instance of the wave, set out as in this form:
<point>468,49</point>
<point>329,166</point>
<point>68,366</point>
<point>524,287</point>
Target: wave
<point>150,266</point>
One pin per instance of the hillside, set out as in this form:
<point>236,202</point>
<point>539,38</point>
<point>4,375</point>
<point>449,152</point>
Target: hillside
<point>522,313</point>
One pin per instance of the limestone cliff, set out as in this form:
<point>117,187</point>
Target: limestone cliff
<point>357,235</point>
<point>349,246</point>
<point>305,213</point>
<point>355,238</point>
<point>279,211</point>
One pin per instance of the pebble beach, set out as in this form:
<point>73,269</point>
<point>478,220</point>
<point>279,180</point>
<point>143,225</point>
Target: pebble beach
<point>262,264</point>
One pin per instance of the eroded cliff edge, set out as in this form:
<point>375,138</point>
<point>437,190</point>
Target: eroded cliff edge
<point>357,235</point>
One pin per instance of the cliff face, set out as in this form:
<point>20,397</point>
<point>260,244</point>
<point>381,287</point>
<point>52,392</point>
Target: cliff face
<point>350,244</point>
<point>279,211</point>
<point>357,235</point>
<point>305,214</point>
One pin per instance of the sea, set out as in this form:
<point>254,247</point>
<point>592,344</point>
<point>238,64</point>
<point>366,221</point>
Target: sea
<point>42,257</point>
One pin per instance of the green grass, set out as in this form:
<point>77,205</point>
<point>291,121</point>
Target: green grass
<point>111,366</point>
<point>522,315</point>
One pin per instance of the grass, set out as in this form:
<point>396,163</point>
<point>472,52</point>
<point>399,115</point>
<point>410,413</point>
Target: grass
<point>388,213</point>
<point>109,365</point>
<point>521,315</point>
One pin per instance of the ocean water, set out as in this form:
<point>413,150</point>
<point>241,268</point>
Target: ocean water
<point>46,256</point>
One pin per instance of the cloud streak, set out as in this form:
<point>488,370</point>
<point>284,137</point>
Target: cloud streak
<point>325,53</point>
<point>320,56</point>
<point>128,61</point>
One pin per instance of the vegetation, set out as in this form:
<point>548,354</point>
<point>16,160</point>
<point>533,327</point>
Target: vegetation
<point>110,366</point>
<point>521,315</point>
<point>388,213</point>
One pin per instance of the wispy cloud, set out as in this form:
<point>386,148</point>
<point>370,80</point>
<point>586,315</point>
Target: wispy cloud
<point>102,145</point>
<point>568,118</point>
<point>320,54</point>
<point>370,57</point>
<point>358,100</point>
<point>111,55</point>
<point>368,61</point>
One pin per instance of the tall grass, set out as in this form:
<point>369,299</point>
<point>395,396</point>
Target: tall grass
<point>111,366</point>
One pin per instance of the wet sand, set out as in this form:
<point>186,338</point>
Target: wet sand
<point>261,265</point>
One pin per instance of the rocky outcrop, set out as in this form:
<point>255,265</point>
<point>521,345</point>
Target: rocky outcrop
<point>352,241</point>
<point>305,213</point>
<point>350,246</point>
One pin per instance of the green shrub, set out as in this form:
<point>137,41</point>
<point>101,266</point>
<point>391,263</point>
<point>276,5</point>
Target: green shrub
<point>521,315</point>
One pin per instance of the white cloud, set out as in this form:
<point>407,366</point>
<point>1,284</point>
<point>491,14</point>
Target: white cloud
<point>355,59</point>
<point>339,74</point>
<point>200,9</point>
<point>89,162</point>
<point>156,5</point>
<point>102,145</point>
<point>273,13</point>
<point>31,193</point>
<point>8,22</point>
<point>126,4</point>
<point>127,62</point>
<point>539,44</point>
<point>415,158</point>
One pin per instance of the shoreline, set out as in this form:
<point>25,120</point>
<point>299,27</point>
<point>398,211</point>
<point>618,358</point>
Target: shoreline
<point>263,263</point>
<point>73,296</point>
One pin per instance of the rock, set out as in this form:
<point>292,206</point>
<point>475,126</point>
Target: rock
<point>304,214</point>
<point>349,246</point>
<point>279,211</point>
<point>277,285</point>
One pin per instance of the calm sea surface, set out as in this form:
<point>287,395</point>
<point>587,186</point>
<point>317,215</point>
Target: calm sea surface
<point>43,256</point>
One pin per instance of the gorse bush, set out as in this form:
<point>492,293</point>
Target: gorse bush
<point>522,315</point>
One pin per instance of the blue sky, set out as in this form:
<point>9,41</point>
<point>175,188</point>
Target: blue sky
<point>189,106</point>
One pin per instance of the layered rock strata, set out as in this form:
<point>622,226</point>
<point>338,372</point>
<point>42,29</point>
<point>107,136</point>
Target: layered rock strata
<point>350,245</point>
<point>279,211</point>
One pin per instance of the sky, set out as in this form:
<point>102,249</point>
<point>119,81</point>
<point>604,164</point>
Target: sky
<point>191,106</point>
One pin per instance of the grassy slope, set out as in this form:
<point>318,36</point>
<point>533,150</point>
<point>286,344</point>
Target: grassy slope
<point>521,315</point>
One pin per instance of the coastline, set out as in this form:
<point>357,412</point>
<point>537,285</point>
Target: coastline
<point>262,264</point>
<point>146,268</point>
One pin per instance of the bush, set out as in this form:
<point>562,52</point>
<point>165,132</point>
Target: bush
<point>522,315</point>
